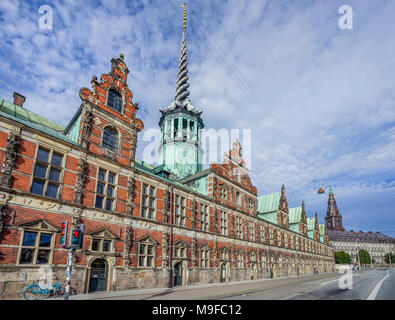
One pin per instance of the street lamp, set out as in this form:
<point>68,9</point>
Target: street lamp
<point>359,261</point>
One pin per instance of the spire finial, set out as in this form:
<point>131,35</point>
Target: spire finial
<point>330,189</point>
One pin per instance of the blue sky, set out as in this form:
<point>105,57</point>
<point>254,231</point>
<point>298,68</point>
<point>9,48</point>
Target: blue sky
<point>320,101</point>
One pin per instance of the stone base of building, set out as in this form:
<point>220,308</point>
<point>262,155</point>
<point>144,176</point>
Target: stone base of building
<point>14,279</point>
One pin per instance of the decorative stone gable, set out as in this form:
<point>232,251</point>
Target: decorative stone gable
<point>100,112</point>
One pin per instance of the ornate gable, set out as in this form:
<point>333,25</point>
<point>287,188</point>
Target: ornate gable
<point>116,80</point>
<point>103,233</point>
<point>40,224</point>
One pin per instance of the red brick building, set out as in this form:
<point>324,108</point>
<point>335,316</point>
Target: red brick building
<point>144,226</point>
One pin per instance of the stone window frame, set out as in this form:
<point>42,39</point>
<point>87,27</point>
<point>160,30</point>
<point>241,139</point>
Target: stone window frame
<point>204,257</point>
<point>240,258</point>
<point>37,228</point>
<point>146,243</point>
<point>239,227</point>
<point>224,222</point>
<point>204,210</point>
<point>113,88</point>
<point>179,247</point>
<point>223,191</point>
<point>180,205</point>
<point>251,231</point>
<point>118,143</point>
<point>101,239</point>
<point>251,205</point>
<point>262,233</point>
<point>106,183</point>
<point>224,254</point>
<point>253,258</point>
<point>49,166</point>
<point>148,196</point>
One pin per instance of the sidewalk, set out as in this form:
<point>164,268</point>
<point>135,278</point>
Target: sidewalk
<point>201,290</point>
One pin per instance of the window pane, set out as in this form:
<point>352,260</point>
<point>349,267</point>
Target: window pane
<point>141,261</point>
<point>26,256</point>
<point>114,100</point>
<point>54,175</point>
<point>149,261</point>
<point>102,175</point>
<point>100,188</point>
<point>150,250</point>
<point>151,203</point>
<point>52,190</point>
<point>43,256</point>
<point>29,239</point>
<point>144,201</point>
<point>95,244</point>
<point>111,178</point>
<point>142,212</point>
<point>151,214</point>
<point>141,249</point>
<point>144,189</point>
<point>42,155</point>
<point>38,187</point>
<point>152,191</point>
<point>40,171</point>
<point>57,159</point>
<point>110,191</point>
<point>99,202</point>
<point>110,139</point>
<point>45,240</point>
<point>109,204</point>
<point>106,245</point>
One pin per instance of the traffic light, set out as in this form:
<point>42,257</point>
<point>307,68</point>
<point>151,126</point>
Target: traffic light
<point>76,237</point>
<point>63,234</point>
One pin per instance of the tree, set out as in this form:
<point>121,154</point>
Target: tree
<point>364,257</point>
<point>342,257</point>
<point>387,256</point>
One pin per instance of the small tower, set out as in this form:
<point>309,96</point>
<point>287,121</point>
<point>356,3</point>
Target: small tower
<point>333,219</point>
<point>181,124</point>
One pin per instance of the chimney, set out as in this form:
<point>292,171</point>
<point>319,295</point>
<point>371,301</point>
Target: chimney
<point>19,99</point>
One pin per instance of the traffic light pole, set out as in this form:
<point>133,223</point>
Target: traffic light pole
<point>68,272</point>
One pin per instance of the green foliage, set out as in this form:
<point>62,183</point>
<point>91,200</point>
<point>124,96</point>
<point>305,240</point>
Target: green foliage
<point>386,258</point>
<point>342,257</point>
<point>364,257</point>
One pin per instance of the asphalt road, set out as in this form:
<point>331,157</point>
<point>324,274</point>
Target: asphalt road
<point>376,284</point>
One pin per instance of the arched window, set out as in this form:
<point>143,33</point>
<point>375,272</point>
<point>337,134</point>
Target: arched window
<point>110,139</point>
<point>114,100</point>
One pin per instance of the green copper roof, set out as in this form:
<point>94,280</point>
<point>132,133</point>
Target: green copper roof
<point>322,229</point>
<point>310,223</point>
<point>269,202</point>
<point>16,113</point>
<point>295,215</point>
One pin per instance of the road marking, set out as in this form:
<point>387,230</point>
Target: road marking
<point>321,284</point>
<point>375,291</point>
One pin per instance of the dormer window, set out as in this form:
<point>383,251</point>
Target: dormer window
<point>110,139</point>
<point>114,100</point>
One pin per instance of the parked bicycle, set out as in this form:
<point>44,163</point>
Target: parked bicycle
<point>34,291</point>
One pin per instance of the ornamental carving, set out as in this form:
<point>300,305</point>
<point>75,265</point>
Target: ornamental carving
<point>13,140</point>
<point>128,244</point>
<point>79,184</point>
<point>130,195</point>
<point>86,128</point>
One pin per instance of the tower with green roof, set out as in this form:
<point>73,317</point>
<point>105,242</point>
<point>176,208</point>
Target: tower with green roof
<point>180,147</point>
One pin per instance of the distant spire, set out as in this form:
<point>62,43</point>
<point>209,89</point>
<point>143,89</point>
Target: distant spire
<point>330,189</point>
<point>182,85</point>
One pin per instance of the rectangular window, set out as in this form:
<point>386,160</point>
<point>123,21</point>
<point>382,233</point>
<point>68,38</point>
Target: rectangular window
<point>148,202</point>
<point>239,228</point>
<point>47,173</point>
<point>204,258</point>
<point>146,254</point>
<point>105,190</point>
<point>179,216</point>
<point>36,247</point>
<point>204,218</point>
<point>224,223</point>
<point>251,233</point>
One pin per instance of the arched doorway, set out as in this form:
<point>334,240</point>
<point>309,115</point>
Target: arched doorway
<point>98,276</point>
<point>178,274</point>
<point>223,272</point>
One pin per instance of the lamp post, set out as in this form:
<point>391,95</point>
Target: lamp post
<point>359,261</point>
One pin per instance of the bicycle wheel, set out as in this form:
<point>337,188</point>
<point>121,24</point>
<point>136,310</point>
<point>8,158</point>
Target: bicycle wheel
<point>59,290</point>
<point>32,292</point>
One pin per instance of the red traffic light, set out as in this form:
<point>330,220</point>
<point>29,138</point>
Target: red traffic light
<point>76,233</point>
<point>63,225</point>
